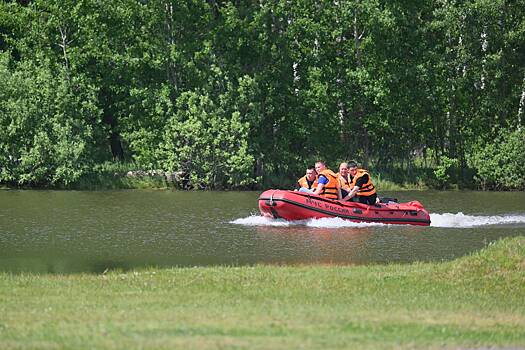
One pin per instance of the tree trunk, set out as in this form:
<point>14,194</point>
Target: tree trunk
<point>114,136</point>
<point>359,109</point>
<point>64,44</point>
<point>522,103</point>
<point>171,74</point>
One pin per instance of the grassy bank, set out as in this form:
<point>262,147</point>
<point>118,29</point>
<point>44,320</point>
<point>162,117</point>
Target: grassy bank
<point>476,301</point>
<point>107,181</point>
<point>123,175</point>
<point>127,175</point>
<point>111,181</point>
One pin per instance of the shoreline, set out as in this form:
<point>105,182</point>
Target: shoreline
<point>125,182</point>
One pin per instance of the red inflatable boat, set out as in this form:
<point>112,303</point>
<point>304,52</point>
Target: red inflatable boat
<point>292,205</point>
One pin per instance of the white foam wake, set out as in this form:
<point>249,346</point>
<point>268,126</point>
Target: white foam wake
<point>462,220</point>
<point>256,220</point>
<point>458,220</point>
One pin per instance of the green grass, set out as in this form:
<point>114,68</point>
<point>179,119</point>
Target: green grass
<point>108,181</point>
<point>112,176</point>
<point>387,185</point>
<point>476,301</point>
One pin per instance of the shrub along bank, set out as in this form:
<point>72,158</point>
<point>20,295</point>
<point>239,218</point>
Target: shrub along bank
<point>473,302</point>
<point>496,165</point>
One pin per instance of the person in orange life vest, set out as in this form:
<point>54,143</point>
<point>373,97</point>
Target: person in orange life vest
<point>363,187</point>
<point>344,179</point>
<point>327,183</point>
<point>308,182</point>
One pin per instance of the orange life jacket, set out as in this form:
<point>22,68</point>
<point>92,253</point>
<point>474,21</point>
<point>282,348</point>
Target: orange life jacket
<point>330,189</point>
<point>303,182</point>
<point>344,182</point>
<point>368,188</point>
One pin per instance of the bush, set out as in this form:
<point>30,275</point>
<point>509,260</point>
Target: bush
<point>442,172</point>
<point>46,124</point>
<point>499,164</point>
<point>208,143</point>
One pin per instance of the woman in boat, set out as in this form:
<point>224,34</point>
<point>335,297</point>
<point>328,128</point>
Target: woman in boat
<point>362,186</point>
<point>327,182</point>
<point>344,179</point>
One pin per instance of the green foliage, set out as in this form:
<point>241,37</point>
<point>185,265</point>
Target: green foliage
<point>444,169</point>
<point>86,82</point>
<point>499,163</point>
<point>46,125</point>
<point>207,140</point>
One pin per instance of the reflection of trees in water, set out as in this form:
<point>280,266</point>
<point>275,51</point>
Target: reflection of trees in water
<point>62,265</point>
<point>305,245</point>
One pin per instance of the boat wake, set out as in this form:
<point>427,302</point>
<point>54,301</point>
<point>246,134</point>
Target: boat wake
<point>458,220</point>
<point>462,220</point>
<point>258,220</point>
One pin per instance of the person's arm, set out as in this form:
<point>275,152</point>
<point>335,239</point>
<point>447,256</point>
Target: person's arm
<point>321,182</point>
<point>358,184</point>
<point>361,182</point>
<point>319,188</point>
<point>352,193</point>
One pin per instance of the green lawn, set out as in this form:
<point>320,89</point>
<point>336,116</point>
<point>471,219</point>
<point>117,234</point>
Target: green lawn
<point>477,301</point>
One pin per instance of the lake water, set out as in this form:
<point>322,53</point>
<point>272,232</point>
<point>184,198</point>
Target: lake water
<point>75,231</point>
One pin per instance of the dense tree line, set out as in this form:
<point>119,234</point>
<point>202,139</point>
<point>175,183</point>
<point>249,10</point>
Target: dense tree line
<point>244,93</point>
